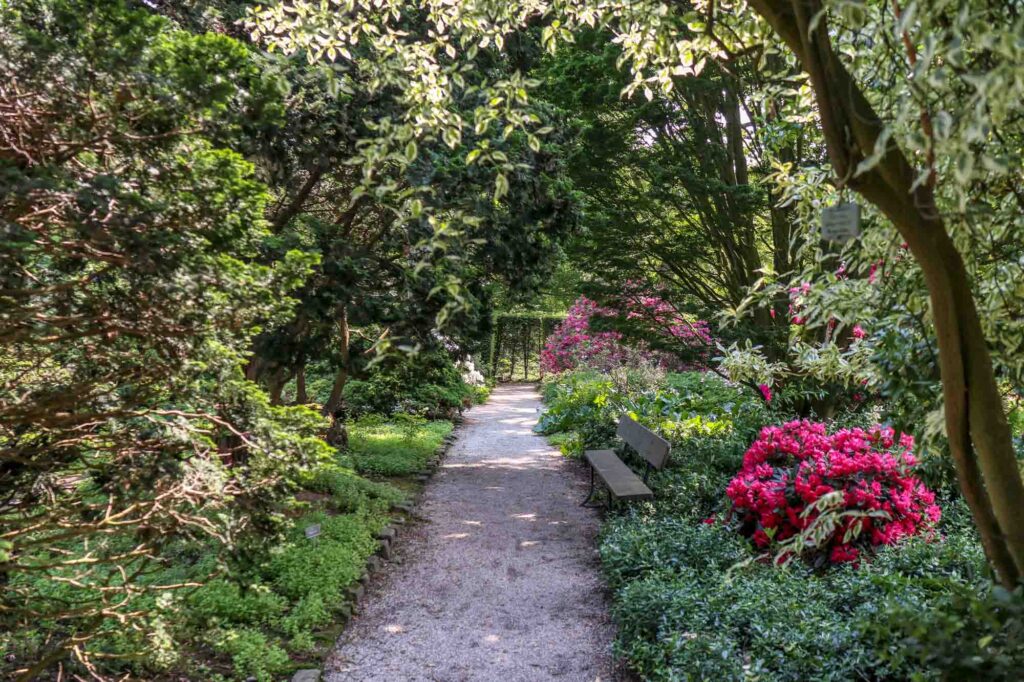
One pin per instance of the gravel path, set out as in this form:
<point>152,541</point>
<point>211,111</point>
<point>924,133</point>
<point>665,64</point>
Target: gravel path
<point>501,580</point>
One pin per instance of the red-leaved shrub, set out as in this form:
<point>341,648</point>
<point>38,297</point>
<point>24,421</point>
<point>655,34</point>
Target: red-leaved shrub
<point>872,497</point>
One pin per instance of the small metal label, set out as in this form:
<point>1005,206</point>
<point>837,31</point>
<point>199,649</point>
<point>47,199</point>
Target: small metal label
<point>313,531</point>
<point>841,223</point>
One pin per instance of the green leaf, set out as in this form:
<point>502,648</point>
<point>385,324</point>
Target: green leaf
<point>500,186</point>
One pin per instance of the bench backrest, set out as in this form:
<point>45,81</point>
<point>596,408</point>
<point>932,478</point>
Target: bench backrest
<point>648,444</point>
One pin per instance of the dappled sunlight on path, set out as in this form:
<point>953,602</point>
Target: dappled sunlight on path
<point>501,582</point>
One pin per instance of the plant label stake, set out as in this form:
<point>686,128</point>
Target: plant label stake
<point>841,223</point>
<point>312,532</point>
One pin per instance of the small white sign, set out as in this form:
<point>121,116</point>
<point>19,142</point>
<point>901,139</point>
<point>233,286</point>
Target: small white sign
<point>841,223</point>
<point>313,531</point>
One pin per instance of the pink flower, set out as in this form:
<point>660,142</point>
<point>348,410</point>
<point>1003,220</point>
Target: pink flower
<point>790,467</point>
<point>711,520</point>
<point>761,539</point>
<point>574,344</point>
<point>858,332</point>
<point>766,392</point>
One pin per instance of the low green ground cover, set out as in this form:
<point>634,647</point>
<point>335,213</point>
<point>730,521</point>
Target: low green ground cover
<point>692,601</point>
<point>260,612</point>
<point>268,621</point>
<point>399,446</point>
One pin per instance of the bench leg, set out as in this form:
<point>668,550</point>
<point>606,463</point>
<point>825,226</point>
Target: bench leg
<point>590,495</point>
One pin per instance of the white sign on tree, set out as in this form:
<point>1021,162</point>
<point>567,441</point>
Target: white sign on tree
<point>841,223</point>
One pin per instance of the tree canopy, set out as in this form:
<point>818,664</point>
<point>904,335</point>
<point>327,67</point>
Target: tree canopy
<point>880,104</point>
<point>227,230</point>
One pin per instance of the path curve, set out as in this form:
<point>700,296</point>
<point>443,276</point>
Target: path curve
<point>501,581</point>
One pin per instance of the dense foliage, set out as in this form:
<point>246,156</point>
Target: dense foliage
<point>179,238</point>
<point>910,108</point>
<point>131,290</point>
<point>694,599</point>
<point>248,251</point>
<point>427,384</point>
<point>517,343</point>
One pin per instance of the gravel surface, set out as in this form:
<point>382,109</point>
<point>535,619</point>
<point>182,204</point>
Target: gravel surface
<point>500,581</point>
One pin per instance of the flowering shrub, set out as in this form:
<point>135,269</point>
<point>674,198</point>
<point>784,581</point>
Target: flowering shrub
<point>573,344</point>
<point>829,497</point>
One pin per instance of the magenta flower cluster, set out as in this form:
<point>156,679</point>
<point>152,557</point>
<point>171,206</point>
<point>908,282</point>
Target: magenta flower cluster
<point>790,467</point>
<point>572,344</point>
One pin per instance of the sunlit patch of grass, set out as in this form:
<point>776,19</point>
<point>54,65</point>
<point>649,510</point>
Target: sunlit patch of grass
<point>397,447</point>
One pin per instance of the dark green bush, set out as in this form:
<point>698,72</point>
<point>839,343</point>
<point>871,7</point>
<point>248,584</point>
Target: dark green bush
<point>964,632</point>
<point>426,384</point>
<point>690,606</point>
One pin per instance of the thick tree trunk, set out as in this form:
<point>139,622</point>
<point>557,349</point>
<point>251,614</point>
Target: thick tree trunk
<point>978,432</point>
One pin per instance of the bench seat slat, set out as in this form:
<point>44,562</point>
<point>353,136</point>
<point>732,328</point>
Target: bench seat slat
<point>619,478</point>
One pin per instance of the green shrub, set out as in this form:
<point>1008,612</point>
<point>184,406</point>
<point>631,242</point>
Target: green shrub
<point>426,384</point>
<point>222,601</point>
<point>575,400</point>
<point>350,492</point>
<point>960,630</point>
<point>480,394</point>
<point>326,565</point>
<point>309,613</point>
<point>637,544</point>
<point>688,607</point>
<point>691,602</point>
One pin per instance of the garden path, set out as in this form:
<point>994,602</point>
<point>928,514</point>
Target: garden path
<point>500,581</point>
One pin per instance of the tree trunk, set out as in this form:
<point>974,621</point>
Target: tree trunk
<point>341,378</point>
<point>297,202</point>
<point>275,385</point>
<point>978,432</point>
<point>301,397</point>
<point>512,360</point>
<point>526,353</point>
<point>496,353</point>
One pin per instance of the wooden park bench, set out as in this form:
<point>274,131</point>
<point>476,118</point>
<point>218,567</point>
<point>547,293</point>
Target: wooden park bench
<point>618,479</point>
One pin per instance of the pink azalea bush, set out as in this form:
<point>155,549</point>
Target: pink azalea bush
<point>574,344</point>
<point>791,467</point>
